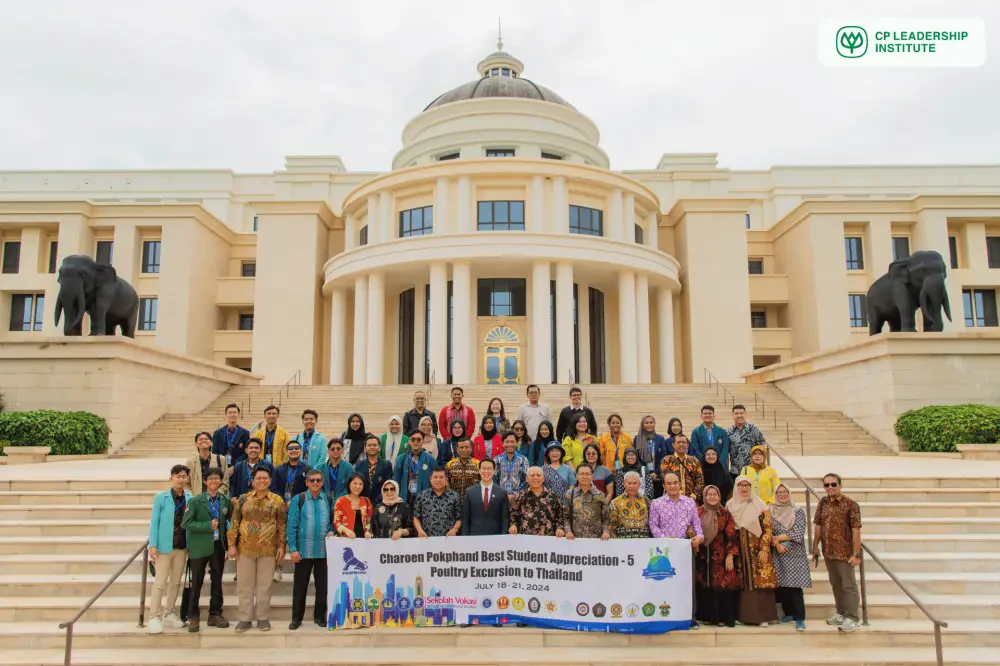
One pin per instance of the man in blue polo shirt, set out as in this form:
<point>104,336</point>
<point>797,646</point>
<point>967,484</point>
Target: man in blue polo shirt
<point>231,439</point>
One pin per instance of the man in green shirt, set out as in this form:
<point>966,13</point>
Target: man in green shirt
<point>205,522</point>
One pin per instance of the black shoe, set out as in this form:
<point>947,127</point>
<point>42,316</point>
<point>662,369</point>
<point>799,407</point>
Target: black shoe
<point>520,624</point>
<point>294,625</point>
<point>320,623</point>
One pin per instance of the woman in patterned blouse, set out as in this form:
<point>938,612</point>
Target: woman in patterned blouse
<point>718,565</point>
<point>790,562</point>
<point>628,515</point>
<point>352,514</point>
<point>559,477</point>
<point>757,604</point>
<point>632,463</point>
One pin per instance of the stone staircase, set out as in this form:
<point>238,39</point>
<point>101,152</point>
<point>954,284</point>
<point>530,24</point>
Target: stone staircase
<point>823,433</point>
<point>61,539</point>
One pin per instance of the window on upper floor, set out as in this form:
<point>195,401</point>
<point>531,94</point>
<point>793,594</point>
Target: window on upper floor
<point>499,152</point>
<point>53,255</point>
<point>758,319</point>
<point>586,221</point>
<point>416,222</point>
<point>248,269</point>
<point>857,305</point>
<point>363,236</point>
<point>550,156</point>
<point>980,307</point>
<point>105,252</point>
<point>151,256</point>
<point>147,313</point>
<point>992,251</point>
<point>255,223</point>
<point>953,251</point>
<point>26,311</point>
<point>500,216</point>
<point>11,256</point>
<point>900,247</point>
<point>501,297</point>
<point>755,266</point>
<point>747,220</point>
<point>449,156</point>
<point>246,322</point>
<point>855,253</point>
<point>639,235</point>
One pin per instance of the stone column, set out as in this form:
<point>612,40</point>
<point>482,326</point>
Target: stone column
<point>536,216</point>
<point>385,232</point>
<point>376,329</point>
<point>464,217</point>
<point>74,237</point>
<point>626,327</point>
<point>653,231</point>
<point>360,334</point>
<point>462,321</point>
<point>372,220</point>
<point>541,331</point>
<point>665,334</point>
<point>628,219</point>
<point>614,216</point>
<point>560,207</point>
<point>439,323</point>
<point>350,233</point>
<point>441,217</point>
<point>564,322</point>
<point>126,259</point>
<point>338,337</point>
<point>931,233</point>
<point>642,329</point>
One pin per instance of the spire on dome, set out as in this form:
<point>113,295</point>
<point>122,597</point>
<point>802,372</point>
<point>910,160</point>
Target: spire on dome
<point>500,63</point>
<point>499,36</point>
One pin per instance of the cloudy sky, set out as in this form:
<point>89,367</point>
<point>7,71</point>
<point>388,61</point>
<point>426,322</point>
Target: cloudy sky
<point>239,85</point>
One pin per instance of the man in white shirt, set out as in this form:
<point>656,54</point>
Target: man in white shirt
<point>533,412</point>
<point>485,508</point>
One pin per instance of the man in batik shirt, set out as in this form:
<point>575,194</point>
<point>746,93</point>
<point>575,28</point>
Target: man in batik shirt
<point>586,508</point>
<point>537,511</point>
<point>463,471</point>
<point>687,468</point>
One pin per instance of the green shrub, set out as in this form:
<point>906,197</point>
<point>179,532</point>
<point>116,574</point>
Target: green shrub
<point>942,427</point>
<point>67,433</point>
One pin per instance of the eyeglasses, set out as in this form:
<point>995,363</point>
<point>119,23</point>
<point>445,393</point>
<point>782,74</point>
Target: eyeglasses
<point>294,448</point>
<point>314,480</point>
<point>830,485</point>
<point>388,489</point>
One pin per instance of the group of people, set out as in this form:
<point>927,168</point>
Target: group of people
<point>257,497</point>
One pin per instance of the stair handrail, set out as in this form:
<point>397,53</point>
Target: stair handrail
<point>938,624</point>
<point>286,388</point>
<point>758,405</point>
<point>68,626</point>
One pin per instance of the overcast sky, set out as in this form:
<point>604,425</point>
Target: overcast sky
<point>239,85</point>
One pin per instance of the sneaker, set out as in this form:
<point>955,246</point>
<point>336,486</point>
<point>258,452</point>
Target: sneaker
<point>763,624</point>
<point>217,621</point>
<point>786,619</point>
<point>243,626</point>
<point>155,626</point>
<point>850,625</point>
<point>171,620</point>
<point>264,625</point>
<point>800,625</point>
<point>277,575</point>
<point>836,620</point>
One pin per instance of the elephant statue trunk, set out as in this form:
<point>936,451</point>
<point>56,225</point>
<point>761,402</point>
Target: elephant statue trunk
<point>74,302</point>
<point>934,297</point>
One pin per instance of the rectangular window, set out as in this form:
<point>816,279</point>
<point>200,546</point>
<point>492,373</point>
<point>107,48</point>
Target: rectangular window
<point>953,251</point>
<point>992,251</point>
<point>900,247</point>
<point>501,216</point>
<point>755,266</point>
<point>747,220</point>
<point>427,334</point>
<point>586,221</point>
<point>639,235</point>
<point>501,297</point>
<point>147,314</point>
<point>363,236</point>
<point>445,158</point>
<point>105,253</point>
<point>255,224</point>
<point>53,255</point>
<point>980,307</point>
<point>854,252</point>
<point>758,319</point>
<point>416,222</point>
<point>246,322</point>
<point>406,321</point>
<point>857,305</point>
<point>12,256</point>
<point>151,256</point>
<point>26,311</point>
<point>551,156</point>
<point>248,269</point>
<point>499,152</point>
<point>598,367</point>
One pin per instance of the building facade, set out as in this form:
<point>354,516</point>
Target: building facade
<point>500,248</point>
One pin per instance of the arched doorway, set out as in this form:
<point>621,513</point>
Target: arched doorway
<point>502,356</point>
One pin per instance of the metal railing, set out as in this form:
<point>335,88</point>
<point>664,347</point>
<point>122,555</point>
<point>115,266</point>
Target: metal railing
<point>760,406</point>
<point>68,626</point>
<point>810,493</point>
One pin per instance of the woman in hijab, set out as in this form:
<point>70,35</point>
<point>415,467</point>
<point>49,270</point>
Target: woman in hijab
<point>647,441</point>
<point>790,561</point>
<point>432,442</point>
<point>488,442</point>
<point>753,520</point>
<point>449,447</point>
<point>762,476</point>
<point>354,438</point>
<point>392,518</point>
<point>716,475</point>
<point>499,415</point>
<point>631,463</point>
<point>546,435</point>
<point>718,566</point>
<point>394,441</point>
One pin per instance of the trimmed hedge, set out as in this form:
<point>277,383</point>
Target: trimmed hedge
<point>941,427</point>
<point>68,433</point>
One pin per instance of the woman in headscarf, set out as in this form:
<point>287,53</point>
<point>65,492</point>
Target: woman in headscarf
<point>753,520</point>
<point>431,441</point>
<point>718,564</point>
<point>499,415</point>
<point>354,438</point>
<point>631,463</point>
<point>647,441</point>
<point>604,479</point>
<point>559,477</point>
<point>716,475</point>
<point>790,561</point>
<point>392,518</point>
<point>394,441</point>
<point>628,514</point>
<point>762,476</point>
<point>614,442</point>
<point>488,443</point>
<point>449,447</point>
<point>546,436</point>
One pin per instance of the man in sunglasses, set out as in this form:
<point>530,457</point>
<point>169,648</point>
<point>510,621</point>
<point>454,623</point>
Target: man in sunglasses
<point>838,526</point>
<point>310,521</point>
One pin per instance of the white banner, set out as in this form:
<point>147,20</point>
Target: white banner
<point>902,42</point>
<point>625,585</point>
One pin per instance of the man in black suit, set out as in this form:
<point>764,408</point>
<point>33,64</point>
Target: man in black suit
<point>485,509</point>
<point>566,425</point>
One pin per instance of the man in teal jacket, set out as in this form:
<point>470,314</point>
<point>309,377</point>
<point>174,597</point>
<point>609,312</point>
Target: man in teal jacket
<point>310,520</point>
<point>313,443</point>
<point>205,521</point>
<point>168,549</point>
<point>336,471</point>
<point>708,434</point>
<point>413,469</point>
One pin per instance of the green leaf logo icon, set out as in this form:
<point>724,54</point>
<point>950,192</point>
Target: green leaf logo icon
<point>852,41</point>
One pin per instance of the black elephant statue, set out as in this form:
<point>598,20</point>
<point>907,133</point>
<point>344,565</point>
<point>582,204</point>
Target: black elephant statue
<point>87,286</point>
<point>914,282</point>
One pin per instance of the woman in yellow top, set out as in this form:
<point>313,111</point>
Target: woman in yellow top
<point>573,444</point>
<point>613,443</point>
<point>764,479</point>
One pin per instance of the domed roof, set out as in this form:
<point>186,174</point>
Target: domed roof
<point>498,86</point>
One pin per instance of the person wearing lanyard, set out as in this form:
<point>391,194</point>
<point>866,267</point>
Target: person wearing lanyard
<point>205,522</point>
<point>512,467</point>
<point>337,470</point>
<point>168,549</point>
<point>288,481</point>
<point>413,469</point>
<point>313,442</point>
<point>241,479</point>
<point>274,437</point>
<point>613,443</point>
<point>231,439</point>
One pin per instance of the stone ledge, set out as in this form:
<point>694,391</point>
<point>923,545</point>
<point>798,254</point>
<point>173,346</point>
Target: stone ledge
<point>25,455</point>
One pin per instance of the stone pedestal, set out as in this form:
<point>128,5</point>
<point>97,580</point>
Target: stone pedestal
<point>25,455</point>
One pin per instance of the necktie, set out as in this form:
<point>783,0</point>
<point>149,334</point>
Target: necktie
<point>486,498</point>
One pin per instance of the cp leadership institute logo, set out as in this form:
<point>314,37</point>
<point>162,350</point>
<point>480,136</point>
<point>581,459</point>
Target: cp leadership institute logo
<point>852,41</point>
